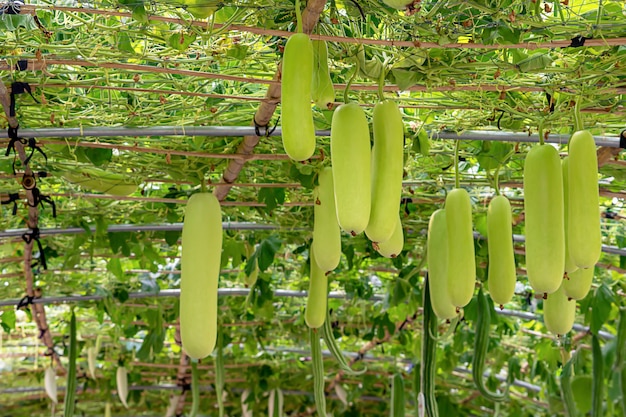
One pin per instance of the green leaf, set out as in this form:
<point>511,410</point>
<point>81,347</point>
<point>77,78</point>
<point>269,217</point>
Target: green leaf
<point>118,242</point>
<point>536,62</point>
<point>120,294</point>
<point>98,156</point>
<point>115,267</point>
<point>171,237</point>
<point>272,197</point>
<point>266,251</point>
<point>181,41</point>
<point>601,307</point>
<point>7,320</point>
<point>238,52</point>
<point>124,43</point>
<point>405,79</point>
<point>492,154</point>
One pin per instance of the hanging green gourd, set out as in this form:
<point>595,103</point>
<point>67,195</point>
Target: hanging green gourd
<point>387,168</point>
<point>298,131</point>
<point>544,212</point>
<point>461,261</point>
<point>326,232</point>
<point>583,226</point>
<point>501,275</point>
<point>437,260</point>
<point>322,89</point>
<point>570,265</point>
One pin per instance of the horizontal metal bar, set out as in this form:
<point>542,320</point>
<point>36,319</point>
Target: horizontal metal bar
<point>221,131</point>
<point>243,292</point>
<point>144,228</point>
<point>502,136</point>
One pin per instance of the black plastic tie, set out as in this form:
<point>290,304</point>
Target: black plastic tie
<point>33,235</point>
<point>266,128</point>
<point>19,88</point>
<point>622,139</point>
<point>39,198</point>
<point>22,65</point>
<point>32,144</point>
<point>12,7</point>
<point>13,137</point>
<point>578,42</point>
<point>13,198</point>
<point>24,302</point>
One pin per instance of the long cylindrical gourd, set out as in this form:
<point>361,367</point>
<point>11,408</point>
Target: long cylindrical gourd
<point>326,231</point>
<point>543,205</point>
<point>50,384</point>
<point>121,378</point>
<point>387,167</point>
<point>501,277</point>
<point>322,89</point>
<point>107,409</point>
<point>559,312</point>
<point>298,131</point>
<point>461,261</point>
<point>426,399</point>
<point>570,265</point>
<point>397,396</point>
<point>437,259</point>
<point>351,155</point>
<point>200,263</point>
<point>95,179</point>
<point>315,312</point>
<point>578,283</point>
<point>392,247</point>
<point>91,361</point>
<point>583,226</point>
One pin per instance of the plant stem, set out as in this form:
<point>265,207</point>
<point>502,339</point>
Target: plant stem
<point>540,131</point>
<point>457,176</point>
<point>298,17</point>
<point>350,81</point>
<point>578,119</point>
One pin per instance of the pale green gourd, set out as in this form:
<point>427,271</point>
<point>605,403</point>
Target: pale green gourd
<point>326,232</point>
<point>387,170</point>
<point>315,311</point>
<point>570,265</point>
<point>298,131</point>
<point>461,262</point>
<point>578,283</point>
<point>392,247</point>
<point>544,211</point>
<point>351,155</point>
<point>437,259</point>
<point>502,276</point>
<point>559,312</point>
<point>200,263</point>
<point>322,89</point>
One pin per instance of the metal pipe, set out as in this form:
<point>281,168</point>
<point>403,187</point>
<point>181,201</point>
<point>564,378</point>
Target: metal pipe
<point>612,141</point>
<point>243,292</point>
<point>144,228</point>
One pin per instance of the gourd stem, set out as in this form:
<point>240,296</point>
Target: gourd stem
<point>298,17</point>
<point>350,81</point>
<point>381,81</point>
<point>540,131</point>
<point>578,119</point>
<point>457,176</point>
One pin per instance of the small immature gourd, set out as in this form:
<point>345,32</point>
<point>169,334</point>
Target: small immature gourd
<point>351,155</point>
<point>200,263</point>
<point>544,211</point>
<point>326,232</point>
<point>322,89</point>
<point>393,246</point>
<point>583,227</point>
<point>437,259</point>
<point>502,276</point>
<point>298,131</point>
<point>461,262</point>
<point>387,170</point>
<point>578,283</point>
<point>559,312</point>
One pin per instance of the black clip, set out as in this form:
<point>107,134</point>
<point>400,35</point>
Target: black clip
<point>578,41</point>
<point>19,88</point>
<point>33,235</point>
<point>22,65</point>
<point>13,198</point>
<point>266,130</point>
<point>11,7</point>
<point>550,102</point>
<point>622,139</point>
<point>32,144</point>
<point>25,302</point>
<point>39,198</point>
